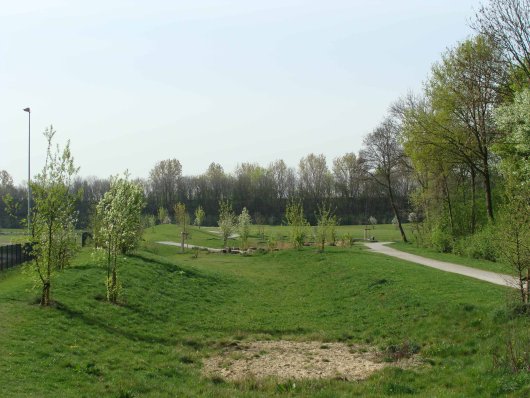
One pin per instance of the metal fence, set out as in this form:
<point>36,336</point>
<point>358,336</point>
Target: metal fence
<point>13,255</point>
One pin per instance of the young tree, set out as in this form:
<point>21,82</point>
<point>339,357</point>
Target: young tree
<point>294,217</point>
<point>373,221</point>
<point>120,226</point>
<point>199,216</point>
<point>227,220</point>
<point>183,219</point>
<point>244,221</point>
<point>53,215</point>
<point>163,217</point>
<point>326,221</point>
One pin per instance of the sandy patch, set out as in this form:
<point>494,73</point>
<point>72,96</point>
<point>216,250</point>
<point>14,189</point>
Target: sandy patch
<point>295,360</point>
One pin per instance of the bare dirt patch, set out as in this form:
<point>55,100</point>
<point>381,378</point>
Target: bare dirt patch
<point>296,360</point>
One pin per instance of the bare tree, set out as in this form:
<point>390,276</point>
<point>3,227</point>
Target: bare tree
<point>165,178</point>
<point>384,160</point>
<point>507,22</point>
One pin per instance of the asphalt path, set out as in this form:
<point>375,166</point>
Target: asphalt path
<point>492,277</point>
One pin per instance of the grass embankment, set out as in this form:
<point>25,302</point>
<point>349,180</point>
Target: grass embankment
<point>177,310</point>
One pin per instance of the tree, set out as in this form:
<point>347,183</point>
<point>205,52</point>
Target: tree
<point>120,226</point>
<point>464,89</point>
<point>314,178</point>
<point>183,219</point>
<point>384,160</point>
<point>294,217</point>
<point>507,23</point>
<point>162,216</point>
<point>244,221</point>
<point>326,221</point>
<point>53,215</point>
<point>227,220</point>
<point>165,179</point>
<point>373,221</point>
<point>199,216</point>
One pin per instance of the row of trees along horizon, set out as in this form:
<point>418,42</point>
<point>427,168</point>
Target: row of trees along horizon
<point>453,159</point>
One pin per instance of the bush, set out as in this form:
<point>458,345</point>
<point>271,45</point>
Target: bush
<point>481,245</point>
<point>441,240</point>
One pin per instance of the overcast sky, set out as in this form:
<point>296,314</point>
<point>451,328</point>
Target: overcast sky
<point>133,82</point>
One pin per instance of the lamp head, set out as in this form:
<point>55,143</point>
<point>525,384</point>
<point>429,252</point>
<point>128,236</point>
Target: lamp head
<point>27,110</point>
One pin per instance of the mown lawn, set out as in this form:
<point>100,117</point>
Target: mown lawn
<point>178,309</point>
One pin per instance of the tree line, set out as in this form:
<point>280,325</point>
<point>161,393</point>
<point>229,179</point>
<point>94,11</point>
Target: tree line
<point>263,191</point>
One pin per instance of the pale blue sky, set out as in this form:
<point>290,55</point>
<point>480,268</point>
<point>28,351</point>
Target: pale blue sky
<point>134,82</point>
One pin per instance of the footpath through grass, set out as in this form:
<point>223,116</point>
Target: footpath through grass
<point>178,310</point>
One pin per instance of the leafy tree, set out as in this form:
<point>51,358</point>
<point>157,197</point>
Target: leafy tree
<point>294,217</point>
<point>162,216</point>
<point>373,221</point>
<point>227,220</point>
<point>120,226</point>
<point>183,219</point>
<point>244,221</point>
<point>199,216</point>
<point>53,215</point>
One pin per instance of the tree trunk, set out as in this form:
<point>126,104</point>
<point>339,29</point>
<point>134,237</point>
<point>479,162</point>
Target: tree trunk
<point>396,213</point>
<point>487,187</point>
<point>45,297</point>
<point>473,201</point>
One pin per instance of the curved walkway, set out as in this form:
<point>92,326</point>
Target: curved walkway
<point>492,277</point>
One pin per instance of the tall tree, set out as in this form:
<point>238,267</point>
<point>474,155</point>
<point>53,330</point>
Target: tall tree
<point>507,23</point>
<point>165,179</point>
<point>384,160</point>
<point>464,89</point>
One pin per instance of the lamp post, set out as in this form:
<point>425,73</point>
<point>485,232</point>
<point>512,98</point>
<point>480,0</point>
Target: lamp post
<point>29,164</point>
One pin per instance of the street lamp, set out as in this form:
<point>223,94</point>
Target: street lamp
<point>29,163</point>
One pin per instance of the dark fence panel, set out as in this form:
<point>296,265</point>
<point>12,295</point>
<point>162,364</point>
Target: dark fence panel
<point>13,255</point>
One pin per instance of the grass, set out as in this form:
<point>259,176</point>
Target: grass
<point>453,258</point>
<point>10,236</point>
<point>178,309</point>
<point>210,237</point>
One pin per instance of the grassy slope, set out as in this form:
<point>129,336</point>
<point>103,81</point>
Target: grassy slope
<point>470,262</point>
<point>178,309</point>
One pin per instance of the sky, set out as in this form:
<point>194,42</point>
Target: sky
<point>134,82</point>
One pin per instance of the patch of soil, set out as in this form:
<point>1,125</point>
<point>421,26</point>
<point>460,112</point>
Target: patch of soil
<point>296,360</point>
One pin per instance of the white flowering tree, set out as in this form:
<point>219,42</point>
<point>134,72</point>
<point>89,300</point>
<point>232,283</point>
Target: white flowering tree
<point>227,220</point>
<point>120,226</point>
<point>244,221</point>
<point>53,216</point>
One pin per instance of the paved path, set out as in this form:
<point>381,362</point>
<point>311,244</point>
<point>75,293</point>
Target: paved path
<point>492,277</point>
<point>187,246</point>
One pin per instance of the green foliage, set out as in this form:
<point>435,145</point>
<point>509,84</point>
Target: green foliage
<point>163,216</point>
<point>120,226</point>
<point>481,245</point>
<point>199,216</point>
<point>294,217</point>
<point>53,216</point>
<point>326,223</point>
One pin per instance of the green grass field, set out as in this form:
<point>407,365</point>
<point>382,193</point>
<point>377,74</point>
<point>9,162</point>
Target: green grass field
<point>178,310</point>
